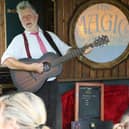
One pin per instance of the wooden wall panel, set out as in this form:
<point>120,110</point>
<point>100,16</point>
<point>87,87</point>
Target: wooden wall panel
<point>85,71</point>
<point>107,73</point>
<point>93,74</point>
<point>2,27</point>
<point>100,74</point>
<point>122,69</point>
<point>127,68</point>
<point>74,69</point>
<point>114,72</point>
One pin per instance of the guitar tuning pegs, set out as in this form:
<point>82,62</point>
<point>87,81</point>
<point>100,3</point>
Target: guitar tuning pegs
<point>105,37</point>
<point>101,40</point>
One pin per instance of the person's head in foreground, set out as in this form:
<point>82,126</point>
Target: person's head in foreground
<point>22,110</point>
<point>124,123</point>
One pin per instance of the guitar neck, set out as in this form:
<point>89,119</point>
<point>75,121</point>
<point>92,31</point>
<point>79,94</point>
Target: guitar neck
<point>78,51</point>
<point>73,53</point>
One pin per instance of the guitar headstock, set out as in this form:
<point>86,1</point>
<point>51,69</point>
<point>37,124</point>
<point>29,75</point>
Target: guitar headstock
<point>100,40</point>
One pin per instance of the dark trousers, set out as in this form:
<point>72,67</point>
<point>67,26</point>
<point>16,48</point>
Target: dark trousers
<point>49,92</point>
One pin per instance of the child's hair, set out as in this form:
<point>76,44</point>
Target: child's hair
<point>125,116</point>
<point>26,108</point>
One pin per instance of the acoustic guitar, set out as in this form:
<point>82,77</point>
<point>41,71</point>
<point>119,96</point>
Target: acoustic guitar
<point>32,81</point>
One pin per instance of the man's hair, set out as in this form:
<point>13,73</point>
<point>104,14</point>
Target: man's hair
<point>23,5</point>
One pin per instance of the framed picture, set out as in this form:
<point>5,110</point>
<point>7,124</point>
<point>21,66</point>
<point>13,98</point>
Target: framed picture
<point>96,18</point>
<point>89,100</point>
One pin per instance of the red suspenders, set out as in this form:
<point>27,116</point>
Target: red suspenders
<point>48,37</point>
<point>26,45</point>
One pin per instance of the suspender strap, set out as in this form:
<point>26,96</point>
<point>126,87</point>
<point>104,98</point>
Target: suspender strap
<point>52,43</point>
<point>48,37</point>
<point>26,45</point>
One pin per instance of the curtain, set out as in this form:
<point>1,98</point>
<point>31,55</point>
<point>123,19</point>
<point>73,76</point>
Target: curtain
<point>116,101</point>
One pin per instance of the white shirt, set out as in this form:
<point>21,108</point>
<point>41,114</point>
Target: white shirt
<point>16,48</point>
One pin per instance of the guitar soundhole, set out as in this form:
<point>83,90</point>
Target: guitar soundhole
<point>46,66</point>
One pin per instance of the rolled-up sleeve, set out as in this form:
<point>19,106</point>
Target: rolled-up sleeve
<point>14,49</point>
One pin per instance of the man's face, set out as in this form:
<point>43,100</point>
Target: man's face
<point>29,19</point>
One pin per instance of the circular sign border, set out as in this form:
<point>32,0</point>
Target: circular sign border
<point>72,24</point>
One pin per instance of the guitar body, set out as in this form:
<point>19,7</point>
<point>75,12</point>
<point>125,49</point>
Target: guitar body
<point>32,81</point>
